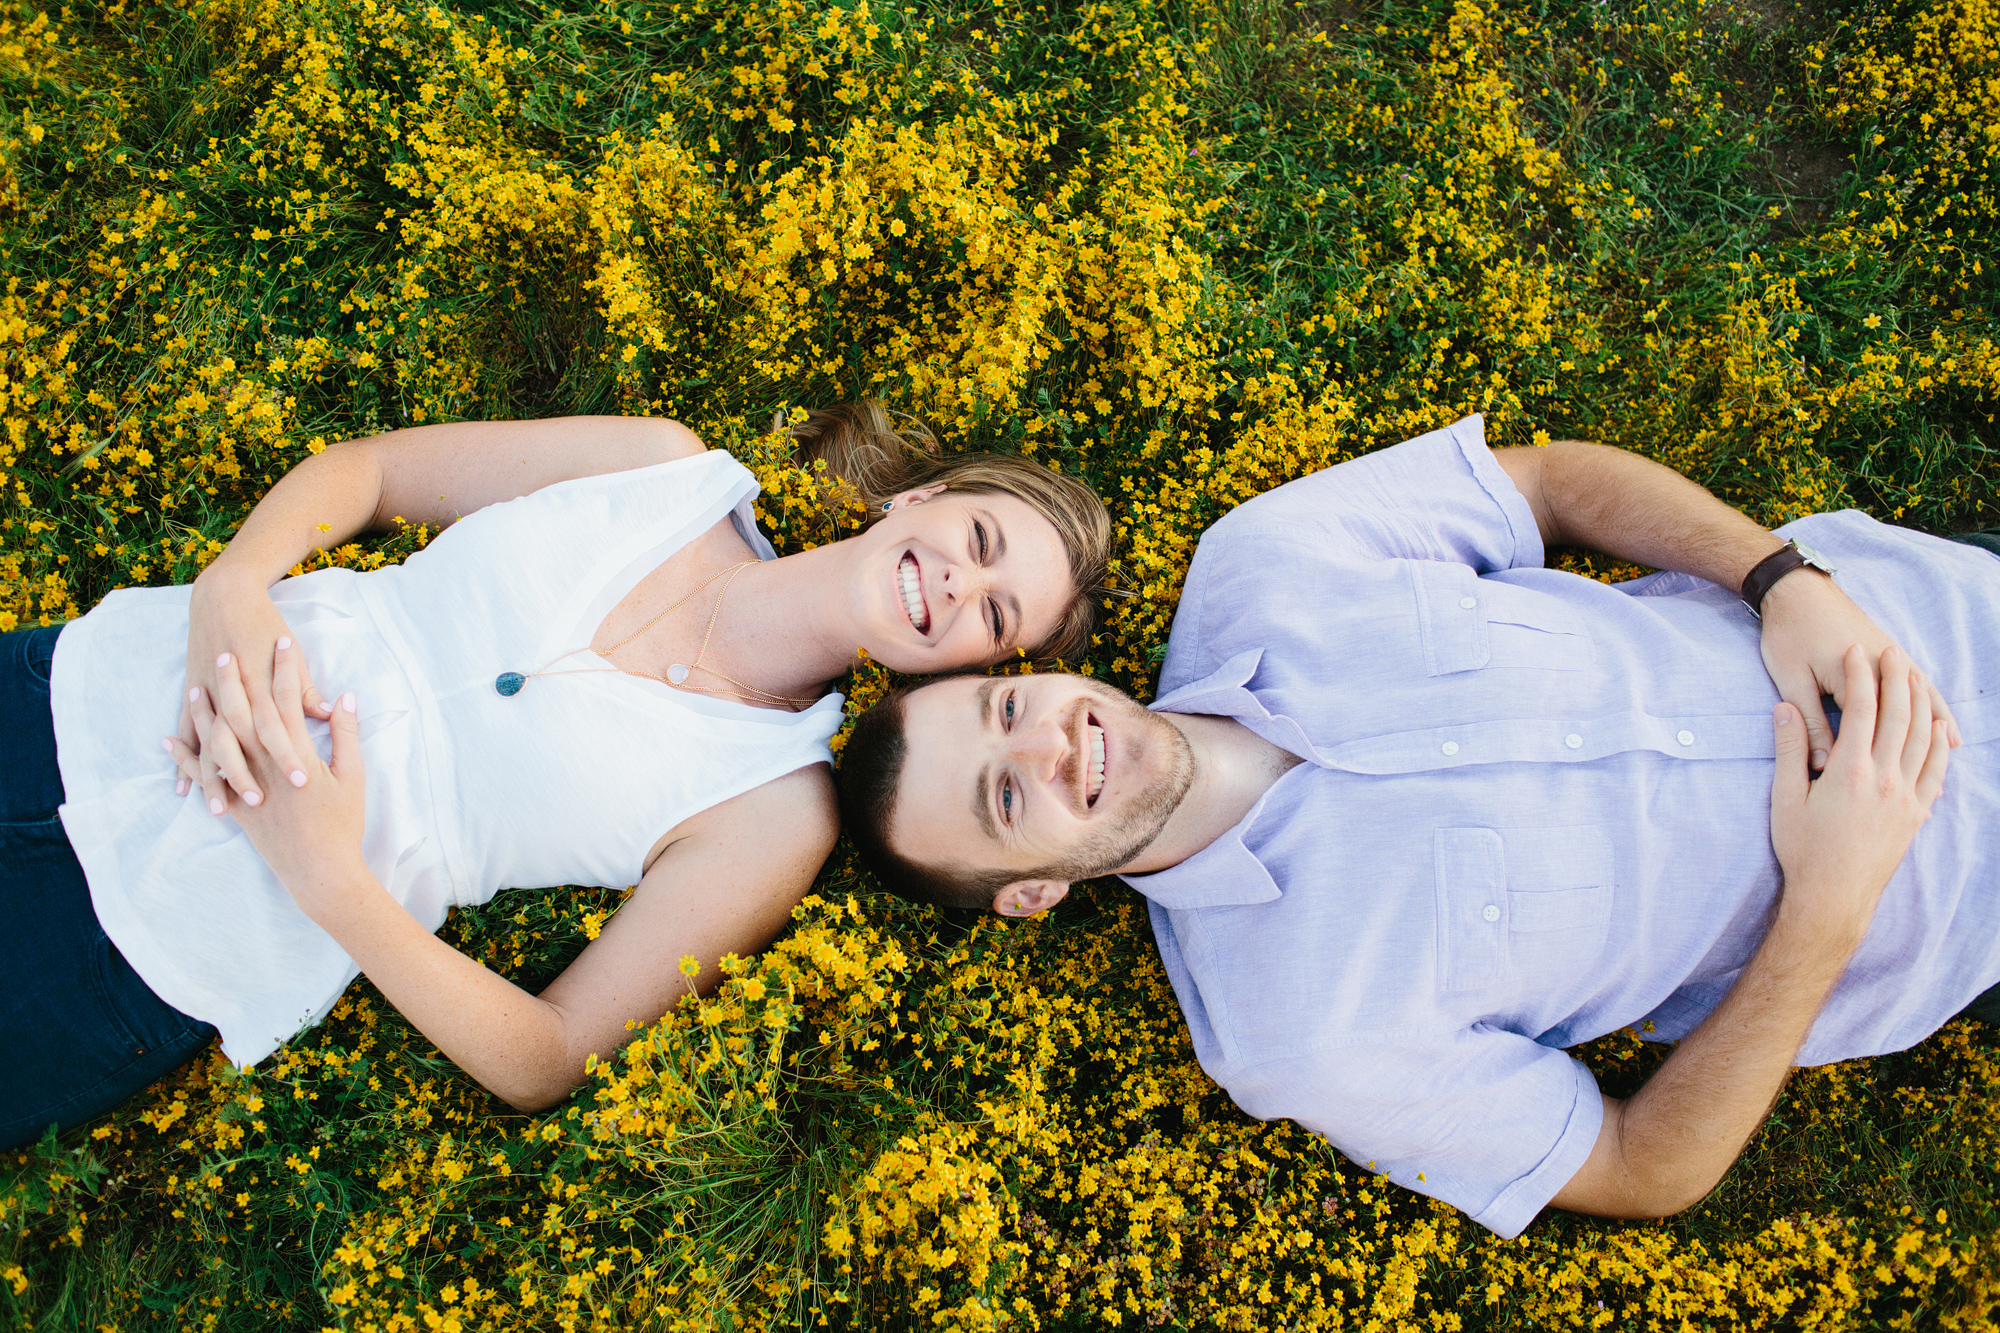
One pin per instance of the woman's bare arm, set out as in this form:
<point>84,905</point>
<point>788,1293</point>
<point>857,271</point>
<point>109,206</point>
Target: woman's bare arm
<point>725,883</point>
<point>727,886</point>
<point>426,474</point>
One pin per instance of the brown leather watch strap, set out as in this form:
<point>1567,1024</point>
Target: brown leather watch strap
<point>1767,572</point>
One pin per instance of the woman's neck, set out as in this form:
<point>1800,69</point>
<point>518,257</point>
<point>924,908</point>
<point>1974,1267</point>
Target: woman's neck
<point>785,628</point>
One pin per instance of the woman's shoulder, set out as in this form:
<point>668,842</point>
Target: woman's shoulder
<point>789,818</point>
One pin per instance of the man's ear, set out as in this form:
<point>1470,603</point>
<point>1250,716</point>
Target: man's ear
<point>1026,897</point>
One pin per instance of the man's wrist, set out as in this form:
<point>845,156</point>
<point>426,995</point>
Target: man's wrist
<point>1775,570</point>
<point>1812,933</point>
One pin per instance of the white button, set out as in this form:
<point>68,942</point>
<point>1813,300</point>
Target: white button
<point>1451,747</point>
<point>1491,913</point>
<point>1468,602</point>
<point>1573,741</point>
<point>1685,738</point>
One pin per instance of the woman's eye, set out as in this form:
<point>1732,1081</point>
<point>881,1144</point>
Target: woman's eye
<point>979,535</point>
<point>993,612</point>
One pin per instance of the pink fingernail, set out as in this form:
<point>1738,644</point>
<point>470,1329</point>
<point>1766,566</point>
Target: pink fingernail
<point>347,701</point>
<point>298,777</point>
<point>215,805</point>
<point>253,798</point>
<point>194,695</point>
<point>223,660</point>
<point>181,787</point>
<point>284,644</point>
<point>166,745</point>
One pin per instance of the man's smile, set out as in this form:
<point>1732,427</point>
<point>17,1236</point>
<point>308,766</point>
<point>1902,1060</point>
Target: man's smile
<point>1093,778</point>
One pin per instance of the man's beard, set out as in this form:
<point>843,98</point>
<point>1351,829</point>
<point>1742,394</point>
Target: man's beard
<point>1117,844</point>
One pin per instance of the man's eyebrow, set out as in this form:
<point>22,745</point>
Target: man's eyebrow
<point>982,810</point>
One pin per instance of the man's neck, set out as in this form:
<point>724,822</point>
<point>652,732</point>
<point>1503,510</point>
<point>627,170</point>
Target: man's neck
<point>1233,768</point>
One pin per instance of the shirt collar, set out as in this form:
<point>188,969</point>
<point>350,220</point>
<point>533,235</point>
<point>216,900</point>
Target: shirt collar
<point>1226,873</point>
<point>1220,692</point>
<point>1225,692</point>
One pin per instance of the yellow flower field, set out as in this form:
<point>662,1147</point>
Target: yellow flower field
<point>1187,249</point>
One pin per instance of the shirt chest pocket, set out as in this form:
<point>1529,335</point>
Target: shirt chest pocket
<point>1521,904</point>
<point>1468,623</point>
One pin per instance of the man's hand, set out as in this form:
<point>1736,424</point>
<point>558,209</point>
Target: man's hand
<point>1809,624</point>
<point>1629,507</point>
<point>1838,840</point>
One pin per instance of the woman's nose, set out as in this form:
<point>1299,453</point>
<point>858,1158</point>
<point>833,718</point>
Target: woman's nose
<point>962,584</point>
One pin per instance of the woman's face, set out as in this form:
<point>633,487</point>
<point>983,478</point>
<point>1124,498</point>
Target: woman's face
<point>947,580</point>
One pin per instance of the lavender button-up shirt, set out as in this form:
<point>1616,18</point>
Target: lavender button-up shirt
<point>1534,809</point>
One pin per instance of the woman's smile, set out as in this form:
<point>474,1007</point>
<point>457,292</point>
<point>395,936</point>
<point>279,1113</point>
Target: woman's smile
<point>910,585</point>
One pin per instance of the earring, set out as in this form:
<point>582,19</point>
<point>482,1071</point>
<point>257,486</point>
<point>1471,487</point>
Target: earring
<point>887,505</point>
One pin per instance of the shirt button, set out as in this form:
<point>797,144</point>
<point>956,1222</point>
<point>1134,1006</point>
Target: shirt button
<point>1451,747</point>
<point>1491,913</point>
<point>1573,741</point>
<point>1468,602</point>
<point>1685,738</point>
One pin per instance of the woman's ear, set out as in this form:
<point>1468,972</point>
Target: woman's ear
<point>904,499</point>
<point>1027,897</point>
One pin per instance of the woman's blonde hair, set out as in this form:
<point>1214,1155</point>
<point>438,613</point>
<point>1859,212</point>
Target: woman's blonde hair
<point>881,454</point>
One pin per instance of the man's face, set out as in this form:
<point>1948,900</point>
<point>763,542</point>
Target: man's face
<point>1048,776</point>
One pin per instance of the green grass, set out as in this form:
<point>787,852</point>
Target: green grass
<point>1726,220</point>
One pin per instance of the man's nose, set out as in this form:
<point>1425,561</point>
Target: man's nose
<point>1039,749</point>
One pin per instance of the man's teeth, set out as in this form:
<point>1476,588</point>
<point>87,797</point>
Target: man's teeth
<point>1095,782</point>
<point>913,599</point>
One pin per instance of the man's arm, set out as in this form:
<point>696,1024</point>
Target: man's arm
<point>1838,841</point>
<point>1608,500</point>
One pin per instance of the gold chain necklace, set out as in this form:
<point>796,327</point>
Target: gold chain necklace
<point>509,683</point>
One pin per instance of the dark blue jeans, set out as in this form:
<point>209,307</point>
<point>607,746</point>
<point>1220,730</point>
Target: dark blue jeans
<point>79,1032</point>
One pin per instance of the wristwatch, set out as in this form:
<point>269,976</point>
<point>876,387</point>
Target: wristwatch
<point>1792,555</point>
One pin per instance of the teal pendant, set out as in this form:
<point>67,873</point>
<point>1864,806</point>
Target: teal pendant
<point>509,683</point>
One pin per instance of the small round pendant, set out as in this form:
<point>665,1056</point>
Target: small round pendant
<point>677,673</point>
<point>509,683</point>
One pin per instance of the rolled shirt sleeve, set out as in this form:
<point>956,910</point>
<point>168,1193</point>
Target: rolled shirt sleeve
<point>1487,1121</point>
<point>1441,496</point>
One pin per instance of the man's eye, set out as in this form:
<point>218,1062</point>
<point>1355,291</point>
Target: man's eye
<point>1007,710</point>
<point>1006,801</point>
<point>979,534</point>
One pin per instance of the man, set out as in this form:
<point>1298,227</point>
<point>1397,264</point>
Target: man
<point>1414,813</point>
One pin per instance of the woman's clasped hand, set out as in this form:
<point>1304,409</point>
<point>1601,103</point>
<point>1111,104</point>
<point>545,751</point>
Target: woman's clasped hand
<point>304,817</point>
<point>232,621</point>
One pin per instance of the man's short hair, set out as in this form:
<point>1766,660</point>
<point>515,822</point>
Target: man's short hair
<point>871,766</point>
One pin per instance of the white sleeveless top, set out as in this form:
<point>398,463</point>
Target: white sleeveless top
<point>571,781</point>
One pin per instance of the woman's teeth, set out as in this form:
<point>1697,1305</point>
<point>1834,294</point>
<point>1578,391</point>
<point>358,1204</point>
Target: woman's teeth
<point>1094,783</point>
<point>913,598</point>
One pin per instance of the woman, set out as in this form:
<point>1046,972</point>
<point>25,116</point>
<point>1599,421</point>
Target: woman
<point>599,675</point>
